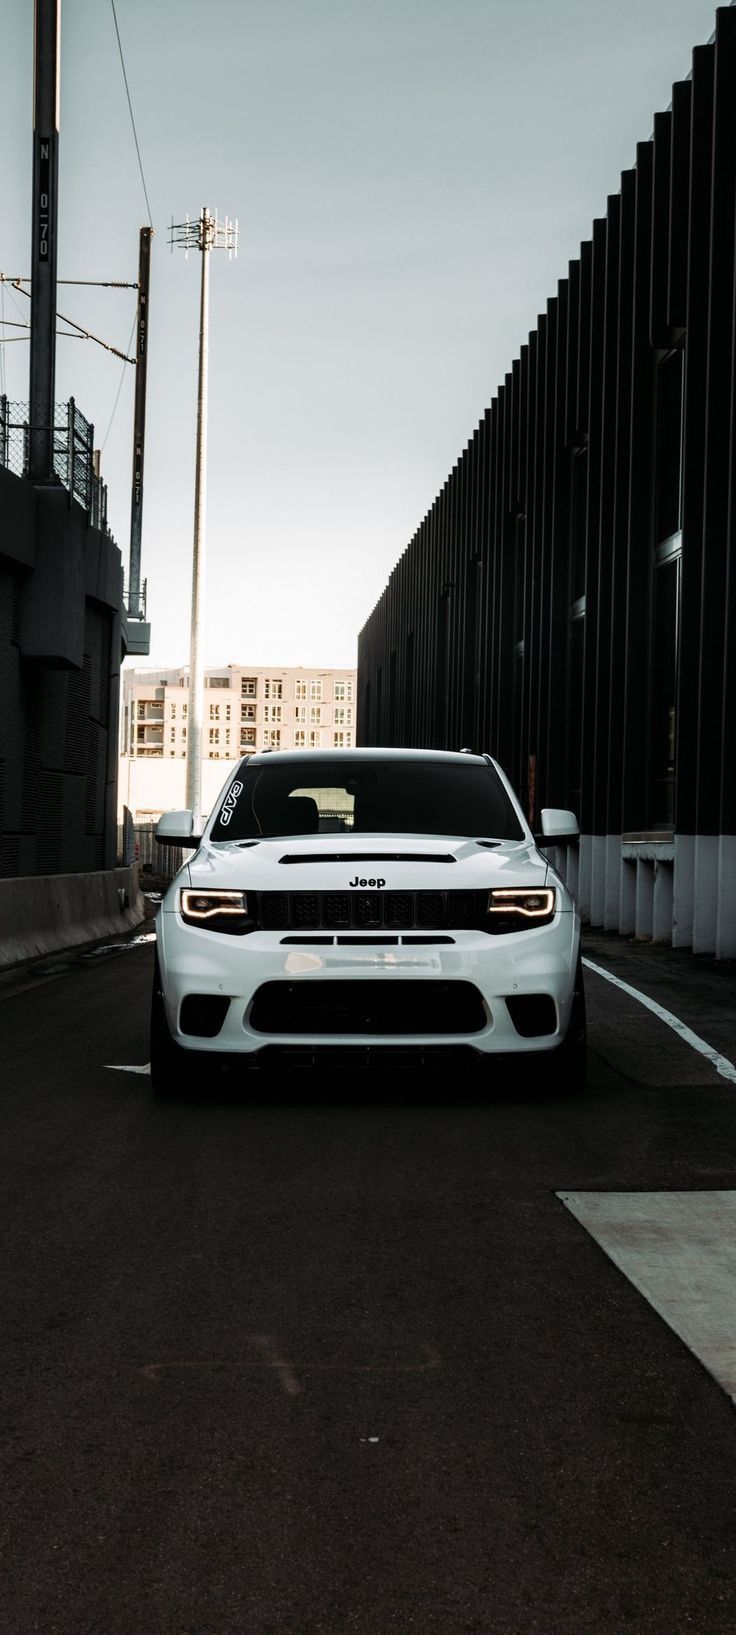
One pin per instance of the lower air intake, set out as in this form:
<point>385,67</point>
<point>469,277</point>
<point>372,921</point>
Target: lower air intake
<point>533,1014</point>
<point>377,1007</point>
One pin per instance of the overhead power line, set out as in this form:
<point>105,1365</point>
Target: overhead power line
<point>119,390</point>
<point>85,334</point>
<point>130,108</point>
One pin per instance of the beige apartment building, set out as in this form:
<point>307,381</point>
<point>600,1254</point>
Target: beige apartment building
<point>246,708</point>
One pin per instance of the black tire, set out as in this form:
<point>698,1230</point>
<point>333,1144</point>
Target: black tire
<point>571,1057</point>
<point>172,1069</point>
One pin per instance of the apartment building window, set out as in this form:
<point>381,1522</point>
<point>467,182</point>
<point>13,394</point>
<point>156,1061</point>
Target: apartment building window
<point>248,686</point>
<point>173,712</point>
<point>343,692</point>
<point>273,739</point>
<point>338,739</point>
<point>343,716</point>
<point>183,732</point>
<point>247,735</point>
<point>300,689</point>
<point>273,688</point>
<point>227,712</point>
<point>227,735</point>
<point>315,740</point>
<point>214,735</point>
<point>218,681</point>
<point>172,734</point>
<point>247,712</point>
<point>141,706</point>
<point>315,715</point>
<point>300,712</point>
<point>300,739</point>
<point>184,710</point>
<point>214,712</point>
<point>315,689</point>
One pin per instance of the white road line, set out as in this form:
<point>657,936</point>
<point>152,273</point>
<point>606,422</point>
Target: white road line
<point>679,1251</point>
<point>720,1063</point>
<point>114,1067</point>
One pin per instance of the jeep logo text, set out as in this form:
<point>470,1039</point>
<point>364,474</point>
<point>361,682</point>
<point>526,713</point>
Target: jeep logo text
<point>357,882</point>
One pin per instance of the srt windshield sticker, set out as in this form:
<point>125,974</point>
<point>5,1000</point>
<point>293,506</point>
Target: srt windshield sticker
<point>230,803</point>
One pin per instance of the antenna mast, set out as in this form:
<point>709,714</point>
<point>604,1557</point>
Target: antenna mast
<point>207,233</point>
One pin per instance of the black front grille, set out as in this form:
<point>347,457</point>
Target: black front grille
<point>403,1006</point>
<point>372,910</point>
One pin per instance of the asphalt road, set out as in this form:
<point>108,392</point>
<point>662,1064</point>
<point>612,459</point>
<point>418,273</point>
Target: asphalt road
<point>339,1360</point>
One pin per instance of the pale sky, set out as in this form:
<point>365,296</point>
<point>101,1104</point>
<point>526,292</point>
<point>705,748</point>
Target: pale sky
<point>411,179</point>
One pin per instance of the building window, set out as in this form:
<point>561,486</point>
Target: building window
<point>315,740</point>
<point>184,710</point>
<point>343,716</point>
<point>343,692</point>
<point>273,739</point>
<point>218,681</point>
<point>247,712</point>
<point>300,739</point>
<point>214,735</point>
<point>248,686</point>
<point>173,712</point>
<point>273,688</point>
<point>247,735</point>
<point>300,712</point>
<point>338,739</point>
<point>172,734</point>
<point>315,715</point>
<point>300,689</point>
<point>315,689</point>
<point>214,712</point>
<point>227,712</point>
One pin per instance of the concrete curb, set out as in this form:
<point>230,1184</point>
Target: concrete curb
<point>42,914</point>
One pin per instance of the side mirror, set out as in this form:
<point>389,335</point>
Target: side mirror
<point>176,829</point>
<point>558,825</point>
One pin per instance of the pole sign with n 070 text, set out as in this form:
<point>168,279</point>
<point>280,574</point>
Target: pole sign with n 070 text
<point>44,197</point>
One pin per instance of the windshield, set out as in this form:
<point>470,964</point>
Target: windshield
<point>354,796</point>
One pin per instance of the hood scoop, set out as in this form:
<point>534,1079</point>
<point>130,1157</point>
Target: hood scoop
<point>368,857</point>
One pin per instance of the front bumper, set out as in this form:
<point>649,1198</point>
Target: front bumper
<point>534,962</point>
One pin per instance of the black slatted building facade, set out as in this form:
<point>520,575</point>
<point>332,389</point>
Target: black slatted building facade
<point>568,602</point>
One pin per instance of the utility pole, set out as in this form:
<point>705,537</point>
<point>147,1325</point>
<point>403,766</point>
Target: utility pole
<point>135,609</point>
<point>44,236</point>
<point>207,233</point>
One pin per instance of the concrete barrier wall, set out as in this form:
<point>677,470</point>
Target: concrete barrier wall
<point>41,914</point>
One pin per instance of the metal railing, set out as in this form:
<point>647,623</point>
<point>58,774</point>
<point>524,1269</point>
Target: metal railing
<point>75,461</point>
<point>137,606</point>
<point>137,843</point>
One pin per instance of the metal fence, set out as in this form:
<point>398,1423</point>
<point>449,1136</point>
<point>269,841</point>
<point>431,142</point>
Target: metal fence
<point>137,843</point>
<point>75,462</point>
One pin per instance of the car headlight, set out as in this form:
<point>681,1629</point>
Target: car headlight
<point>514,908</point>
<point>216,910</point>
